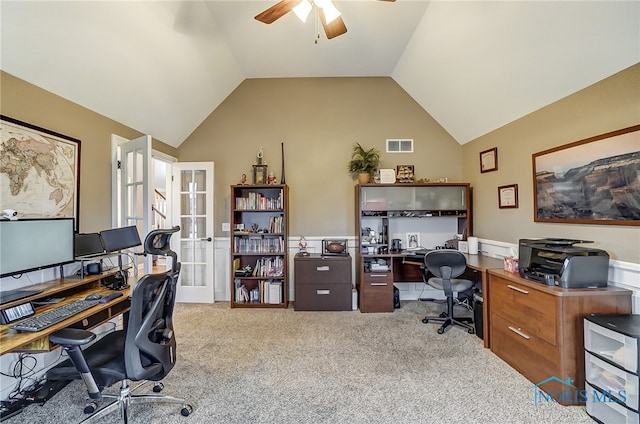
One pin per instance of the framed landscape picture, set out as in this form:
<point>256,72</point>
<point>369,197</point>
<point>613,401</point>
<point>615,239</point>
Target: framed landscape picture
<point>591,181</point>
<point>40,171</point>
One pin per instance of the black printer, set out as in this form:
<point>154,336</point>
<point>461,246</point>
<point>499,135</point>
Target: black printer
<point>557,262</point>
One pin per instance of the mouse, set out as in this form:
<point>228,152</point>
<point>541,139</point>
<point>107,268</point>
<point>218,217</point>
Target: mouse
<point>94,296</point>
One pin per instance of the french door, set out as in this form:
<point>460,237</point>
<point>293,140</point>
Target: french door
<point>192,206</point>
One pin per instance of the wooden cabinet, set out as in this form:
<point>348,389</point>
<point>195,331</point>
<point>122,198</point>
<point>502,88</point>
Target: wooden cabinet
<point>538,329</point>
<point>259,222</point>
<point>322,283</point>
<point>434,212</point>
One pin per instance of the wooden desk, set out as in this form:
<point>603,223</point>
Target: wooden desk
<point>538,329</point>
<point>71,289</point>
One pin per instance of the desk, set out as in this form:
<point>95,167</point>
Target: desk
<point>71,289</point>
<point>376,288</point>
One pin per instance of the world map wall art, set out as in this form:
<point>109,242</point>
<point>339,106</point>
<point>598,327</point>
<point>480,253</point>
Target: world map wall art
<point>39,171</point>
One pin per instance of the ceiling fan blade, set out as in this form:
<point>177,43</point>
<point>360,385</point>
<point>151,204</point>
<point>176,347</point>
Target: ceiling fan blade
<point>388,0</point>
<point>277,11</point>
<point>334,28</point>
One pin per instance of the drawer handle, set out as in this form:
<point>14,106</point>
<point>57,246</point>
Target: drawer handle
<point>323,291</point>
<point>518,289</point>
<point>519,332</point>
<point>378,284</point>
<point>378,275</point>
<point>322,268</point>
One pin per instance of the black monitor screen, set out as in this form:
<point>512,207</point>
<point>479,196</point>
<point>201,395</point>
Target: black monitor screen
<point>120,238</point>
<point>32,244</point>
<point>88,244</point>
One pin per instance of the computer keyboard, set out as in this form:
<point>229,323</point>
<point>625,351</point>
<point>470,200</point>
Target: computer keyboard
<point>53,316</point>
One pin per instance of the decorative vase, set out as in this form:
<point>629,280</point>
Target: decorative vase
<point>363,178</point>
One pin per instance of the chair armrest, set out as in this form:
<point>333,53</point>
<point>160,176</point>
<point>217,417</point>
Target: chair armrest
<point>72,337</point>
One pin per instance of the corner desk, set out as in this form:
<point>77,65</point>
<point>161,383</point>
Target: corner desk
<point>71,289</point>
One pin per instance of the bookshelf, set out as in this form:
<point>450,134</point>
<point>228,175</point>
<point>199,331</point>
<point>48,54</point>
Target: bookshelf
<point>259,222</point>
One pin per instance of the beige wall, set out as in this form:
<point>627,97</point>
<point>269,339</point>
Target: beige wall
<point>28,103</point>
<point>319,120</point>
<point>609,105</point>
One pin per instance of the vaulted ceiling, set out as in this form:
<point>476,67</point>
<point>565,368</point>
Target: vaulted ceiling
<point>161,67</point>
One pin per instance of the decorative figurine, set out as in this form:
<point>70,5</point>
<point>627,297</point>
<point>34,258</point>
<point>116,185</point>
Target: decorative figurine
<point>259,156</point>
<point>243,180</point>
<point>271,179</point>
<point>302,246</point>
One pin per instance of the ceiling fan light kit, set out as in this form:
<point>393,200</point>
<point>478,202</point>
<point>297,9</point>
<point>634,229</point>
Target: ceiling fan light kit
<point>329,15</point>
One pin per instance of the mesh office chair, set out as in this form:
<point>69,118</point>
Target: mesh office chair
<point>144,351</point>
<point>446,265</point>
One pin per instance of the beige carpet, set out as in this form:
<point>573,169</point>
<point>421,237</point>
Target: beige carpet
<point>283,366</point>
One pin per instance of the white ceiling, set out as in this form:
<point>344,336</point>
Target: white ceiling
<point>161,67</point>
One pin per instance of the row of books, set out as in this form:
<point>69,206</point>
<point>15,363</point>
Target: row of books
<point>258,245</point>
<point>266,291</point>
<point>276,224</point>
<point>269,267</point>
<point>257,201</point>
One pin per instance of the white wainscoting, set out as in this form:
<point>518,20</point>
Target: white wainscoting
<point>621,274</point>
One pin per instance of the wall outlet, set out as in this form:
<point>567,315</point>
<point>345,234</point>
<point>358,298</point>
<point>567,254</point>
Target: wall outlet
<point>226,226</point>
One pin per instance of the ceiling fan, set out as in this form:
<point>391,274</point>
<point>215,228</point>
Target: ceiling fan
<point>328,14</point>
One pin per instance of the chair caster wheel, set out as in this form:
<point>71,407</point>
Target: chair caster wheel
<point>186,410</point>
<point>425,321</point>
<point>440,330</point>
<point>90,408</point>
<point>443,315</point>
<point>158,387</point>
<point>471,331</point>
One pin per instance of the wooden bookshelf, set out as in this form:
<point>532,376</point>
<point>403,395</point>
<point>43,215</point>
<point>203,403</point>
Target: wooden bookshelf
<point>259,226</point>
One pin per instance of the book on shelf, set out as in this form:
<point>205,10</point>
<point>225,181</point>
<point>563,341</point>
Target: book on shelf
<point>258,244</point>
<point>258,201</point>
<point>275,292</point>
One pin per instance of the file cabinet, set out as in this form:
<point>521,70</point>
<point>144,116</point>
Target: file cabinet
<point>322,283</point>
<point>611,344</point>
<point>538,329</point>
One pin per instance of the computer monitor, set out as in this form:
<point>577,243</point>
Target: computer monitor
<point>88,244</point>
<point>122,238</point>
<point>32,244</point>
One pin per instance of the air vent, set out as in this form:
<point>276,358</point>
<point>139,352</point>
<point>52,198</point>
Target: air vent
<point>399,145</point>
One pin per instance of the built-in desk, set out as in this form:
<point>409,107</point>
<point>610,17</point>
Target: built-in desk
<point>71,289</point>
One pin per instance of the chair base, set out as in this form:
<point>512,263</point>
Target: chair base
<point>126,398</point>
<point>448,321</point>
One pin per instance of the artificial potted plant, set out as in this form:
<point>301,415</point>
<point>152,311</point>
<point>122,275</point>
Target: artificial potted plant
<point>363,162</point>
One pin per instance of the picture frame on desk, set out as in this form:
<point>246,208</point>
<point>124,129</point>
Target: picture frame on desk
<point>59,160</point>
<point>508,196</point>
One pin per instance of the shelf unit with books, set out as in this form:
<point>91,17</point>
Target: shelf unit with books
<point>259,221</point>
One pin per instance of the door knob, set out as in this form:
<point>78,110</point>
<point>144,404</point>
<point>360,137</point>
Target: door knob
<point>207,239</point>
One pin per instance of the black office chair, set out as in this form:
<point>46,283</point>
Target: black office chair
<point>144,351</point>
<point>446,265</point>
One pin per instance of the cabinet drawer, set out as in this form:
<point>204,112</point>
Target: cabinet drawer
<point>377,277</point>
<point>606,410</point>
<point>615,347</point>
<point>608,378</point>
<point>520,348</point>
<point>376,296</point>
<point>525,307</point>
<point>323,297</point>
<point>322,272</point>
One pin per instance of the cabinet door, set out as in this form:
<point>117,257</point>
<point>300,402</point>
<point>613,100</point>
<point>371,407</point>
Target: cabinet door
<point>423,197</point>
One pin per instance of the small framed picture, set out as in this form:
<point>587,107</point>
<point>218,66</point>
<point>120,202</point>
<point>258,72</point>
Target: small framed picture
<point>404,174</point>
<point>508,196</point>
<point>412,241</point>
<point>387,176</point>
<point>489,160</point>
